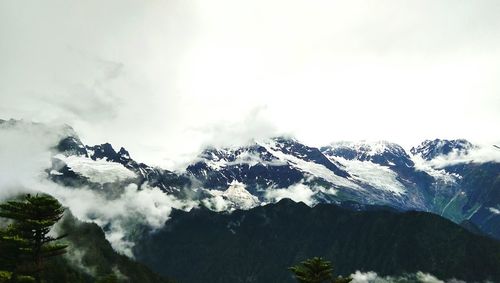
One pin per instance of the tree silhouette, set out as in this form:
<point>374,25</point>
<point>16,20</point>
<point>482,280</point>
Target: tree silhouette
<point>26,241</point>
<point>316,270</point>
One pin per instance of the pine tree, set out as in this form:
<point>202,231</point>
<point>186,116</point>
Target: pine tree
<point>33,218</point>
<point>316,270</point>
<point>11,250</point>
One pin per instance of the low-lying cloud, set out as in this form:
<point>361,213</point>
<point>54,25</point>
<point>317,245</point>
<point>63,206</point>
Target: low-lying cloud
<point>298,192</point>
<point>147,206</point>
<point>419,277</point>
<point>480,154</point>
<point>25,152</point>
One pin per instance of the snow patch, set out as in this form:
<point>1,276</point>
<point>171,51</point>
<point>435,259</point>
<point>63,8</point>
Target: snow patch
<point>317,170</point>
<point>375,175</point>
<point>438,174</point>
<point>97,171</point>
<point>245,157</point>
<point>370,148</point>
<point>235,197</point>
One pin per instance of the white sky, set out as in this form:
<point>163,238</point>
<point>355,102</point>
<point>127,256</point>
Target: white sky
<point>163,78</point>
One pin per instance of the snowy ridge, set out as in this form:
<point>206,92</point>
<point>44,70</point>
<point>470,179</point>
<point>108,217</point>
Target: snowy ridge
<point>431,149</point>
<point>365,148</point>
<point>312,168</point>
<point>97,171</point>
<point>374,175</point>
<point>437,173</point>
<point>368,173</point>
<point>380,152</point>
<point>216,159</point>
<point>369,147</point>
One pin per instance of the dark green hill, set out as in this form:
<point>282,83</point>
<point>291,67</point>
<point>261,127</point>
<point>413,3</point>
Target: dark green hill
<point>93,254</point>
<point>91,258</point>
<point>259,244</point>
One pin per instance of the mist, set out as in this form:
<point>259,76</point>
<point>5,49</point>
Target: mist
<point>419,277</point>
<point>25,154</point>
<point>165,78</point>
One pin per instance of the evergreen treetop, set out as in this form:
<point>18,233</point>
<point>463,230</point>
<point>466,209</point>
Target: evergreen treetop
<point>27,242</point>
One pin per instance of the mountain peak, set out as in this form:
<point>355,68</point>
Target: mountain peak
<point>430,149</point>
<point>123,153</point>
<point>71,145</point>
<point>368,147</point>
<point>380,152</point>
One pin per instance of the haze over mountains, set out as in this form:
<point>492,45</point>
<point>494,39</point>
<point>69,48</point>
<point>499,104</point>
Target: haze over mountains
<point>177,132</point>
<point>446,177</point>
<point>454,179</point>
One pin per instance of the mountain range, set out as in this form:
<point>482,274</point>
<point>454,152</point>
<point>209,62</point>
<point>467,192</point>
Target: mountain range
<point>366,206</point>
<point>438,176</point>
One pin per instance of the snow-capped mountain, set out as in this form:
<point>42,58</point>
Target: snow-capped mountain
<point>101,165</point>
<point>280,163</point>
<point>275,162</point>
<point>431,149</point>
<point>381,152</point>
<point>380,173</point>
<point>368,173</point>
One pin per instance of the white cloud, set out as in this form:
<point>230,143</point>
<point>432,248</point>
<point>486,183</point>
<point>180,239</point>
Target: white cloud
<point>235,197</point>
<point>163,78</point>
<point>479,154</point>
<point>437,173</point>
<point>494,210</point>
<point>75,258</point>
<point>419,277</point>
<point>25,154</point>
<point>364,277</point>
<point>120,215</point>
<point>297,192</point>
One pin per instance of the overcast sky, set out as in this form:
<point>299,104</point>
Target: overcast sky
<point>163,78</point>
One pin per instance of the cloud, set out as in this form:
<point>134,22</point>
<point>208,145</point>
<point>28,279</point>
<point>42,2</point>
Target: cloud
<point>253,125</point>
<point>235,197</point>
<point>121,215</point>
<point>162,78</point>
<point>419,277</point>
<point>228,131</point>
<point>25,154</point>
<point>494,210</point>
<point>75,258</point>
<point>438,173</point>
<point>297,192</point>
<point>479,154</point>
